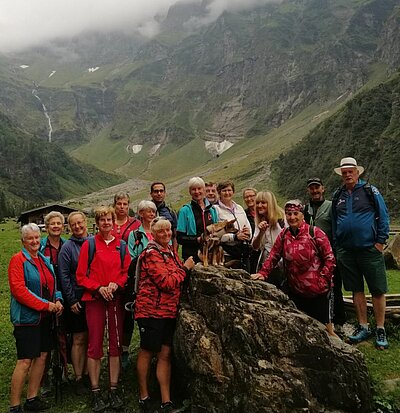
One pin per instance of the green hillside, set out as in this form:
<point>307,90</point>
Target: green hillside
<point>367,128</point>
<point>35,171</point>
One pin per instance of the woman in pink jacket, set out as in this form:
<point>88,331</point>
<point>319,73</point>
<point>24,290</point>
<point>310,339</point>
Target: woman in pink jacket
<point>308,263</point>
<point>103,272</point>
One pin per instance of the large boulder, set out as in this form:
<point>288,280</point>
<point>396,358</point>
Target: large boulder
<point>242,346</point>
<point>392,253</point>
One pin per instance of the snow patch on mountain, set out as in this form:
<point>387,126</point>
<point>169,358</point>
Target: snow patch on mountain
<point>216,148</point>
<point>154,149</point>
<point>135,149</point>
<point>52,73</point>
<point>24,66</point>
<point>93,69</point>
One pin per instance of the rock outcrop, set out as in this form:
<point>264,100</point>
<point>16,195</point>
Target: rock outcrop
<point>392,253</point>
<point>242,346</point>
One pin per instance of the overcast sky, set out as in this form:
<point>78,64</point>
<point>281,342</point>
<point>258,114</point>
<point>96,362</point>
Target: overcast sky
<point>25,23</point>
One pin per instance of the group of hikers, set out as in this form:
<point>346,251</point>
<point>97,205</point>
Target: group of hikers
<point>130,270</point>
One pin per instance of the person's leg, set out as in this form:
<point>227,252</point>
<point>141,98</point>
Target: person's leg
<point>339,313</point>
<point>163,372</point>
<point>379,305</point>
<point>35,375</point>
<point>78,353</point>
<point>360,306</point>
<point>18,380</point>
<point>94,371</point>
<point>143,369</point>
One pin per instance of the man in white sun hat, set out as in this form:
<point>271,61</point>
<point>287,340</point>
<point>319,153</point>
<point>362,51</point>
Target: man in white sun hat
<point>360,230</point>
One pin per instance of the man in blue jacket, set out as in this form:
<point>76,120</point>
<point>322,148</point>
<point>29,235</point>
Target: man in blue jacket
<point>360,230</point>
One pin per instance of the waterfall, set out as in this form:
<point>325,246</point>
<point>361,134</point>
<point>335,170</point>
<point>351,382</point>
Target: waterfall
<point>34,93</point>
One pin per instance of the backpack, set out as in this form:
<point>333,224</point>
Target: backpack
<point>92,250</point>
<point>134,220</point>
<point>133,272</point>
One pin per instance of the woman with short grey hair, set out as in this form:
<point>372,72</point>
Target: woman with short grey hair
<point>33,298</point>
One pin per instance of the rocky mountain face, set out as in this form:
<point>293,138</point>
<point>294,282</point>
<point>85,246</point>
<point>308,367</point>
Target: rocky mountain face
<point>237,77</point>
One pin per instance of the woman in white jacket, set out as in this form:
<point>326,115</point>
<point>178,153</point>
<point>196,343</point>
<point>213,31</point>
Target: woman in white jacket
<point>269,221</point>
<point>236,246</point>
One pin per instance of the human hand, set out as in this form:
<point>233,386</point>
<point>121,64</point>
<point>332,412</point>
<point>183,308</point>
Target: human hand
<point>112,286</point>
<point>59,308</point>
<point>106,293</point>
<point>52,307</point>
<point>379,247</point>
<point>263,226</point>
<point>243,235</point>
<point>76,308</point>
<point>256,276</point>
<point>189,263</point>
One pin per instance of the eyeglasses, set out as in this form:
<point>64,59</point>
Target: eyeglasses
<point>158,191</point>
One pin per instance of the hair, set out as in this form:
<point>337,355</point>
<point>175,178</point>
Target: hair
<point>196,181</point>
<point>156,183</point>
<point>51,215</point>
<point>274,211</point>
<point>159,223</point>
<point>72,214</point>
<point>28,228</point>
<point>146,205</point>
<point>102,211</point>
<point>249,189</point>
<point>121,195</point>
<point>224,185</point>
<point>210,183</point>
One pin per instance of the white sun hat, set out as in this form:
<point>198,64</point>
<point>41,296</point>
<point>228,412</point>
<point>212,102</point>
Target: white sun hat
<point>348,163</point>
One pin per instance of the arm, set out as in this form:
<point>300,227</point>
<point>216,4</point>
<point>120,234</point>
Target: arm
<point>273,258</point>
<point>123,277</point>
<point>132,245</point>
<point>324,250</point>
<point>81,278</point>
<point>383,221</point>
<point>19,289</point>
<point>165,277</point>
<point>64,275</point>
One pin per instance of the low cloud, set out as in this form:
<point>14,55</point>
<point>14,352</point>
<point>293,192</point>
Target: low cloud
<point>25,23</point>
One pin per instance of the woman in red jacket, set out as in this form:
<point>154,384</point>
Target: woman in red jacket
<point>308,263</point>
<point>159,290</point>
<point>103,279</point>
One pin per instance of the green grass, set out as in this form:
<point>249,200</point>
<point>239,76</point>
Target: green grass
<point>384,366</point>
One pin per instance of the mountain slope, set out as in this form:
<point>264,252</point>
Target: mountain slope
<point>36,171</point>
<point>367,128</point>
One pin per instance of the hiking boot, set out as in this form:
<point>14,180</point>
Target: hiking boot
<point>98,404</point>
<point>114,399</point>
<point>145,405</point>
<point>36,405</point>
<point>15,409</point>
<point>80,388</point>
<point>360,334</point>
<point>169,407</point>
<point>381,342</point>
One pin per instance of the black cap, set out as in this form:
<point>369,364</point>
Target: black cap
<point>314,181</point>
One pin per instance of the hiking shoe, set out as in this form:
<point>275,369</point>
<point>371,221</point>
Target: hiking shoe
<point>144,405</point>
<point>381,341</point>
<point>168,407</point>
<point>360,334</point>
<point>36,405</point>
<point>79,388</point>
<point>114,399</point>
<point>98,404</point>
<point>15,409</point>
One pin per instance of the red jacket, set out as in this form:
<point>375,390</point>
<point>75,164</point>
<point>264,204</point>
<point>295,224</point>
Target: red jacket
<point>105,267</point>
<point>161,277</point>
<point>123,231</point>
<point>309,262</point>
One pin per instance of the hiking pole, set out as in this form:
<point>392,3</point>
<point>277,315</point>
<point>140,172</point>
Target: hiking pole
<point>56,365</point>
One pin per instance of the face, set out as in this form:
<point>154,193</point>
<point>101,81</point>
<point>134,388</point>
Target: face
<point>226,194</point>
<point>105,223</point>
<point>262,208</point>
<point>147,215</point>
<point>122,207</point>
<point>158,193</point>
<point>294,218</point>
<point>316,192</point>
<point>31,242</point>
<point>78,226</point>
<point>211,193</point>
<point>197,193</point>
<point>163,236</point>
<point>250,198</point>
<point>350,176</point>
<point>55,227</point>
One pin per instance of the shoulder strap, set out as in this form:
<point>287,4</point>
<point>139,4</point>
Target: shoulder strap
<point>91,251</point>
<point>128,226</point>
<point>281,223</point>
<point>122,251</point>
<point>368,190</point>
